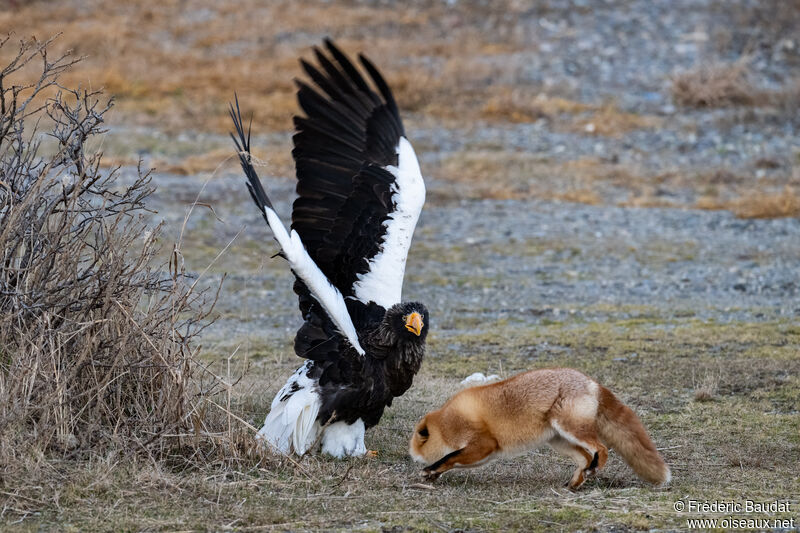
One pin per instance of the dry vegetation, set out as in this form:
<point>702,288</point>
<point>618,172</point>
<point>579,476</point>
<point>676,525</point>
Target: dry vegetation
<point>739,444</point>
<point>722,85</point>
<point>594,180</point>
<point>181,71</point>
<point>716,86</point>
<point>173,68</point>
<point>97,338</point>
<point>758,204</point>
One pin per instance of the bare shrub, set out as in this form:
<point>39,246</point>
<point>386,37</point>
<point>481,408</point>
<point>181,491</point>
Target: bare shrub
<point>96,338</point>
<point>730,84</point>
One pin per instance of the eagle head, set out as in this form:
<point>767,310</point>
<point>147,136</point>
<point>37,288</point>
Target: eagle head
<point>408,321</point>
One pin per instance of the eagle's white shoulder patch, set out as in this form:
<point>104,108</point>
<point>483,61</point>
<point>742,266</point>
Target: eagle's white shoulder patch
<point>383,282</point>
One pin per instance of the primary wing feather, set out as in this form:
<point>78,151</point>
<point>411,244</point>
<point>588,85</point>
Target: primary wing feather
<point>312,285</point>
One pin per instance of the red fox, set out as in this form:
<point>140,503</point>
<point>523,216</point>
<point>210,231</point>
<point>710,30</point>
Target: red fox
<point>561,407</point>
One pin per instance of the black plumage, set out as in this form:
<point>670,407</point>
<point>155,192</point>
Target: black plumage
<point>354,387</point>
<point>346,150</point>
<point>341,148</point>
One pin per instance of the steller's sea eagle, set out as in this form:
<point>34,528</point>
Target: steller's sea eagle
<point>360,192</point>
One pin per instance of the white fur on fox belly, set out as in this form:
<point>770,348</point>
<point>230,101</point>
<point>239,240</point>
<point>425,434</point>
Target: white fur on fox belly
<point>291,425</point>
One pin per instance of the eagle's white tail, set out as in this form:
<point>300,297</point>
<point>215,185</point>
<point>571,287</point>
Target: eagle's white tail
<point>291,425</point>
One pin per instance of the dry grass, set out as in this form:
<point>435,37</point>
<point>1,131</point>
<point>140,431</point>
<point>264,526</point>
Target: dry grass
<point>731,84</point>
<point>504,175</point>
<point>728,445</point>
<point>764,205</point>
<point>706,389</point>
<point>716,86</point>
<point>609,121</point>
<point>755,203</point>
<point>519,104</point>
<point>581,196</point>
<point>181,70</point>
<point>174,69</point>
<point>458,72</point>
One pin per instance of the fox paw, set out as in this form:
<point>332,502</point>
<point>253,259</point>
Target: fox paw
<point>576,481</point>
<point>430,476</point>
<point>572,487</point>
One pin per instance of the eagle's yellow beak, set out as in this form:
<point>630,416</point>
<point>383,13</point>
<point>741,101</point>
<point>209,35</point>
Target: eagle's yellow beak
<point>414,323</point>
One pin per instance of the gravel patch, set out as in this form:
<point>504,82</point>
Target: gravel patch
<point>526,261</point>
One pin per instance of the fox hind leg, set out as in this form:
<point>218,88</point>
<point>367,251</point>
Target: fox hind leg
<point>578,455</point>
<point>581,444</point>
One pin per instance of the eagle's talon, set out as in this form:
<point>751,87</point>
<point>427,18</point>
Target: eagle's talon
<point>371,453</point>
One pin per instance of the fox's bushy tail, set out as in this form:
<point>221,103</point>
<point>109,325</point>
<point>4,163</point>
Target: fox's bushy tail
<point>621,429</point>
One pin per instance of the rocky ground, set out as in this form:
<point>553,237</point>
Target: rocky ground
<point>528,260</point>
<point>531,257</point>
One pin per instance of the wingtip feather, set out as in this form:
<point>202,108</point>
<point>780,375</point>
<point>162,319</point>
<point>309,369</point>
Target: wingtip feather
<point>242,142</point>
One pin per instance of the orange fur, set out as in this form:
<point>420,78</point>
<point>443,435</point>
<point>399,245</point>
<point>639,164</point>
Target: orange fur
<point>560,407</point>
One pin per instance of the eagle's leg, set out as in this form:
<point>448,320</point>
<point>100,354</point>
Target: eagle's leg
<point>341,439</point>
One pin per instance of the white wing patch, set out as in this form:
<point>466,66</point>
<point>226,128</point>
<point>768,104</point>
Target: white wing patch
<point>319,285</point>
<point>383,282</point>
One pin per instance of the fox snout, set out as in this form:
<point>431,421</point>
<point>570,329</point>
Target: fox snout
<point>427,450</point>
<point>432,471</point>
<point>444,440</point>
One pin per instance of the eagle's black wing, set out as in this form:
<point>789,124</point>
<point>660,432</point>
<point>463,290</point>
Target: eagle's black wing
<point>360,192</point>
<point>317,293</point>
<point>359,187</point>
